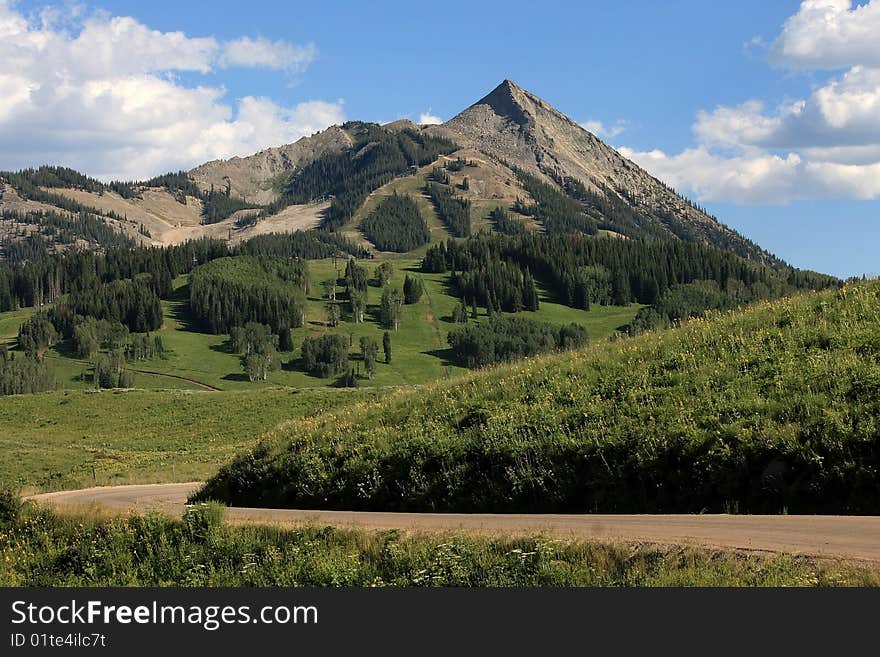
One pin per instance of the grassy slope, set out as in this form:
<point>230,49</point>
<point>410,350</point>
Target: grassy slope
<point>54,440</point>
<point>44,549</point>
<point>769,409</point>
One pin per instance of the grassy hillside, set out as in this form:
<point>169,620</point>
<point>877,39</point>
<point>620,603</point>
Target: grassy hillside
<point>76,439</point>
<point>773,409</point>
<point>39,548</point>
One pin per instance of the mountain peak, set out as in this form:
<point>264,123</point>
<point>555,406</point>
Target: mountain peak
<point>510,101</point>
<point>518,128</point>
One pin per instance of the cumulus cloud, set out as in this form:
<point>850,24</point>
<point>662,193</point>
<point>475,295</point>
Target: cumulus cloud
<point>598,128</point>
<point>100,93</point>
<point>429,119</point>
<point>828,34</point>
<point>822,146</point>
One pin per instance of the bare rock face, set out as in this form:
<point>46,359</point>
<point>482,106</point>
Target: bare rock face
<point>254,177</point>
<point>520,129</point>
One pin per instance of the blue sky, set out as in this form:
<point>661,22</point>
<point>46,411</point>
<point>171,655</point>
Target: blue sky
<point>740,105</point>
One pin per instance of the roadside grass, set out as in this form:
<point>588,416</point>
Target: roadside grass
<point>40,548</point>
<point>75,439</point>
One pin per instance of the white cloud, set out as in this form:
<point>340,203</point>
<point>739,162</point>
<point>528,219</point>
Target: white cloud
<point>759,177</point>
<point>429,119</point>
<point>598,128</point>
<point>99,94</point>
<point>830,34</point>
<point>826,145</point>
<point>266,54</point>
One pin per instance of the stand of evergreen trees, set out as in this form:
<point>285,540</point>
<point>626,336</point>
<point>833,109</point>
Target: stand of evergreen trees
<point>582,270</point>
<point>498,285</point>
<point>504,224</point>
<point>132,302</point>
<point>220,205</point>
<point>510,338</point>
<point>231,292</point>
<point>396,225</point>
<point>325,356</point>
<point>57,229</point>
<point>41,281</point>
<point>454,212</point>
<point>22,374</point>
<point>557,212</point>
<point>37,334</point>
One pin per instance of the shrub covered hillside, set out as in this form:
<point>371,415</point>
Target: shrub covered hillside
<point>771,409</point>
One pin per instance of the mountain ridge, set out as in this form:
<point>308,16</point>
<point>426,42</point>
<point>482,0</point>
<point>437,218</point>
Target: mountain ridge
<point>522,134</point>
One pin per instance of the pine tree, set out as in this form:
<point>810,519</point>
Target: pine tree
<point>386,347</point>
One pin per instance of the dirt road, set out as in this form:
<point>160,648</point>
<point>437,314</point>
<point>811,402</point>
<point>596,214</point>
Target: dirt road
<point>850,537</point>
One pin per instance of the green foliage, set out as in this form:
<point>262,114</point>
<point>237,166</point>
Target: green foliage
<point>285,339</point>
<point>347,380</point>
<point>134,303</point>
<point>108,371</point>
<point>454,212</point>
<point>36,334</point>
<point>10,507</point>
<point>60,230</point>
<point>202,521</point>
<point>384,272</point>
<point>582,270</point>
<point>498,285</point>
<point>413,289</point>
<point>386,347</point>
<point>144,347</point>
<point>257,346</point>
<point>504,224</point>
<point>29,184</point>
<point>767,410</point>
<point>511,338</point>
<point>391,308</point>
<point>219,205</point>
<point>325,356</point>
<point>369,354</point>
<point>556,211</point>
<point>355,277</point>
<point>234,291</point>
<point>90,335</point>
<point>396,225</point>
<point>44,549</point>
<point>22,374</point>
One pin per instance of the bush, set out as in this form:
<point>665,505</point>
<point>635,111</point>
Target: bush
<point>202,520</point>
<point>10,506</point>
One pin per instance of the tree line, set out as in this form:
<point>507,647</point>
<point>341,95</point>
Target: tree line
<point>41,281</point>
<point>581,270</point>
